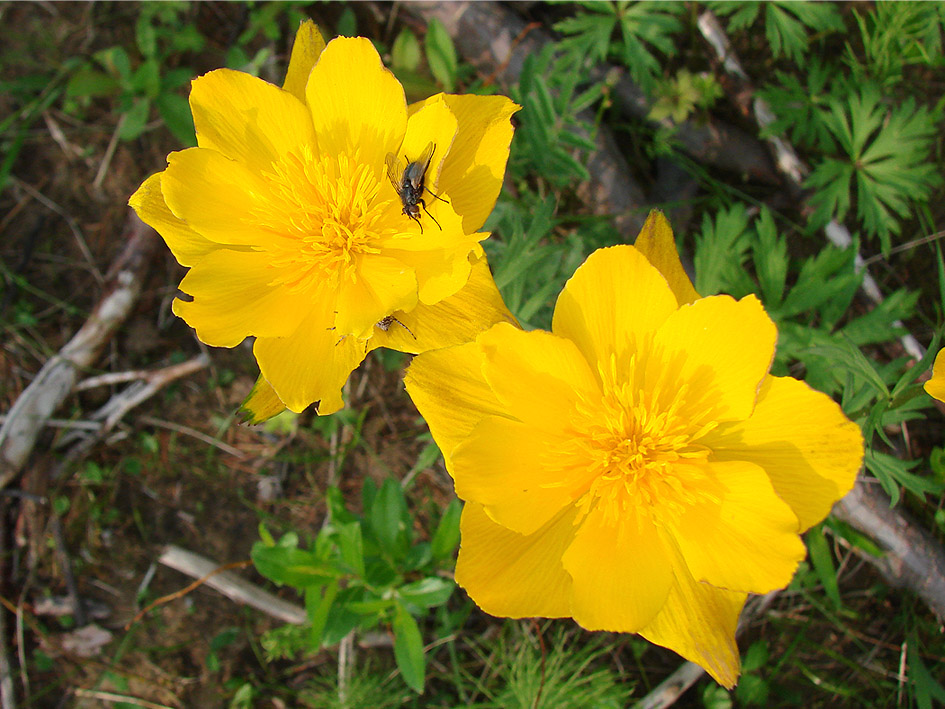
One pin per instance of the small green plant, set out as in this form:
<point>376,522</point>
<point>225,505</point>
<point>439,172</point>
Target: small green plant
<point>787,24</point>
<point>551,134</point>
<point>684,94</point>
<point>646,33</point>
<point>364,571</point>
<point>885,155</point>
<point>142,82</point>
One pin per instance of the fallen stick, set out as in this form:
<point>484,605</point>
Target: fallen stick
<point>57,377</point>
<point>149,384</point>
<point>232,586</point>
<point>913,558</point>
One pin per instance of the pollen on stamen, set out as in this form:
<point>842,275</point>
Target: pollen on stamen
<point>642,455</point>
<point>323,213</point>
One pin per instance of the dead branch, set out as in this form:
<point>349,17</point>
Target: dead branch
<point>913,559</point>
<point>232,586</point>
<point>57,377</point>
<point>128,398</point>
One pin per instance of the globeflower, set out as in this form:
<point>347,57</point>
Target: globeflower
<point>292,218</point>
<point>637,468</point>
<point>935,386</point>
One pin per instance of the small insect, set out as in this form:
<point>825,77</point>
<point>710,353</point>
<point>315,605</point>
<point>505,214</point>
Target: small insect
<point>384,324</point>
<point>409,183</point>
<point>388,320</point>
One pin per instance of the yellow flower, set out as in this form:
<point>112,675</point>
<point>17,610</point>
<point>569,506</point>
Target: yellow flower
<point>295,233</point>
<point>935,387</point>
<point>637,468</point>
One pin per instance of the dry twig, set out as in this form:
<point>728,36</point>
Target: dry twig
<point>57,377</point>
<point>231,585</point>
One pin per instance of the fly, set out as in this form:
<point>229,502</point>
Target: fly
<point>409,183</point>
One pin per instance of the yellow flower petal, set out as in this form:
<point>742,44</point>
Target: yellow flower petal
<point>740,535</point>
<point>443,271</point>
<point>451,321</point>
<point>381,286</point>
<point>247,119</point>
<point>474,170</point>
<point>612,304</point>
<point>809,449</point>
<point>214,195</point>
<point>504,465</point>
<point>262,403</point>
<point>187,245</point>
<point>720,349</point>
<point>452,395</point>
<point>357,105</point>
<point>233,299</point>
<point>311,365</point>
<point>621,575</point>
<point>698,621</point>
<point>306,49</point>
<point>935,387</point>
<point>513,575</point>
<point>538,377</point>
<point>656,242</point>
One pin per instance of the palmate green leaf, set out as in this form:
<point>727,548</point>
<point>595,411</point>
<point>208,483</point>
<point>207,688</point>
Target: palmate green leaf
<point>590,32</point>
<point>771,259</point>
<point>644,25</point>
<point>800,104</point>
<point>878,325</point>
<point>720,253</point>
<point>787,24</point>
<point>886,159</point>
<point>893,472</point>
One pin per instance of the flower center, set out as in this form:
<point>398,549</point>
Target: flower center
<point>323,214</point>
<point>642,455</point>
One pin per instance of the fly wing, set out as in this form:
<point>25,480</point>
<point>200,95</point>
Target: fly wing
<point>395,171</point>
<point>423,160</point>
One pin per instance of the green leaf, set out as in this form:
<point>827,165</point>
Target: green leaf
<point>446,537</point>
<point>347,23</point>
<point>86,81</point>
<point>408,649</point>
<point>175,110</point>
<point>427,593</point>
<point>318,605</point>
<point>351,547</point>
<point>926,687</point>
<point>405,54</point>
<point>822,560</point>
<point>291,567</point>
<point>135,119</point>
<point>441,54</point>
<point>115,60</point>
<point>388,515</point>
<point>770,255</point>
<point>146,36</point>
